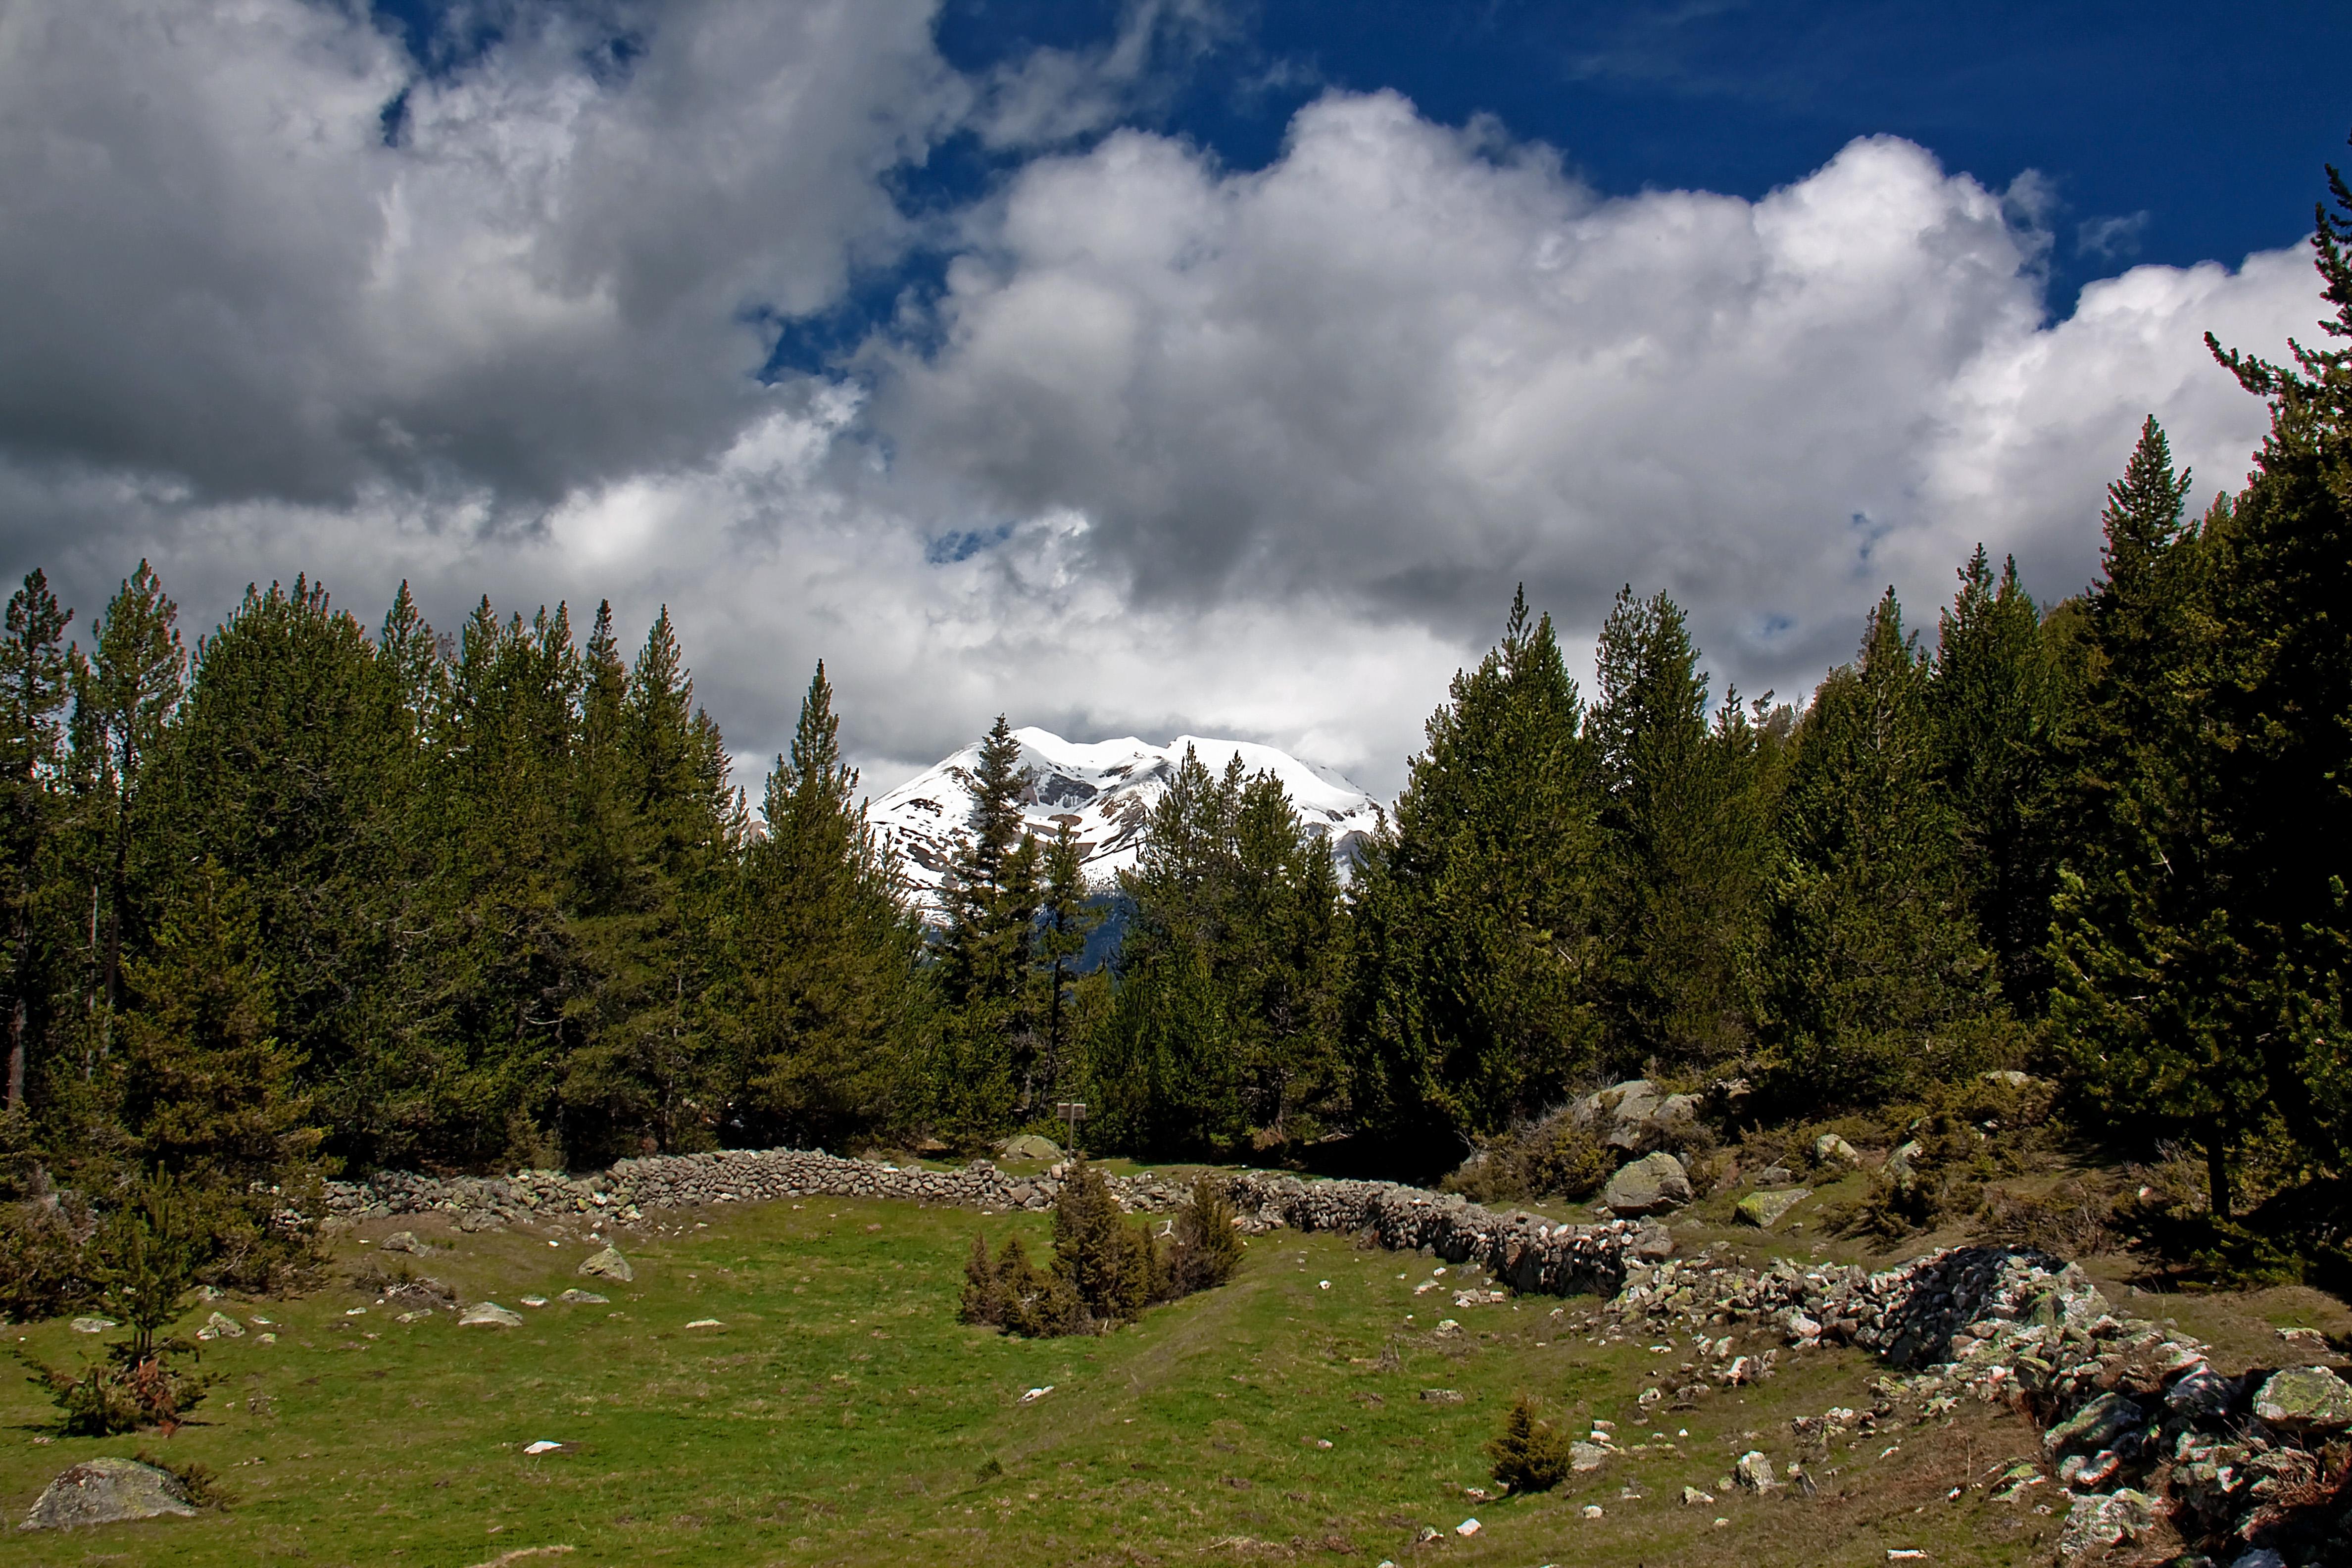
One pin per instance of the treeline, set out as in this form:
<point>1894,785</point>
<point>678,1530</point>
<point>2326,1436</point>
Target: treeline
<point>313,895</point>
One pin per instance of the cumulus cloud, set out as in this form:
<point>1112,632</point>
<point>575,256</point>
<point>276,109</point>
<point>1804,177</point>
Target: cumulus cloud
<point>251,248</point>
<point>1407,365</point>
<point>1180,447</point>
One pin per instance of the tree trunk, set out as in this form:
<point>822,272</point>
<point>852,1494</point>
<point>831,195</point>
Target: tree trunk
<point>17,1054</point>
<point>2216,1174</point>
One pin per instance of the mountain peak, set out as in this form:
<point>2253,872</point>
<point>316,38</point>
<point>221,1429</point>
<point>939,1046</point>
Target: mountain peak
<point>1105,790</point>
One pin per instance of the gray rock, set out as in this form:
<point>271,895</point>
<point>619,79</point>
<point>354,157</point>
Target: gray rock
<point>610,1265</point>
<point>1582,1456</point>
<point>2095,1427</point>
<point>400,1241</point>
<point>580,1298</point>
<point>1831,1150</point>
<point>1764,1210</point>
<point>1754,1471</point>
<point>2096,1522</point>
<point>1440,1396</point>
<point>1652,1243</point>
<point>221,1326</point>
<point>92,1325</point>
<point>489,1315</point>
<point>1898,1163</point>
<point>2261,1557</point>
<point>1649,1185</point>
<point>2305,1399</point>
<point>2007,1076</point>
<point>1029,1146</point>
<point>105,1491</point>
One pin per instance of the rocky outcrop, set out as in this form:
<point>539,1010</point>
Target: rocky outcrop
<point>1651,1185</point>
<point>2137,1424</point>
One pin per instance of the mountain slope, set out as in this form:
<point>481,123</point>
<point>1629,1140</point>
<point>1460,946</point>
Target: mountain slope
<point>1105,792</point>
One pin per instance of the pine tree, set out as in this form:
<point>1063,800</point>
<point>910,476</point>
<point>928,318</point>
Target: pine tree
<point>1475,916</point>
<point>1999,697</point>
<point>1878,981</point>
<point>1067,918</point>
<point>210,1095</point>
<point>826,1004</point>
<point>125,697</point>
<point>2150,981</point>
<point>33,685</point>
<point>1686,815</point>
<point>991,902</point>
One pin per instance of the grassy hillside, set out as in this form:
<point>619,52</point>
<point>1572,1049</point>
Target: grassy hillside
<point>841,1414</point>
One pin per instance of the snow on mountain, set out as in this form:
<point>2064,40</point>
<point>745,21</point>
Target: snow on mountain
<point>1105,792</point>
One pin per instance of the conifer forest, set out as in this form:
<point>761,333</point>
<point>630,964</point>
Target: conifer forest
<point>307,894</point>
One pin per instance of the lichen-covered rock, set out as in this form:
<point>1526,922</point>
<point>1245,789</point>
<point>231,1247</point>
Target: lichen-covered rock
<point>221,1326</point>
<point>1831,1150</point>
<point>609,1264</point>
<point>107,1491</point>
<point>2098,1521</point>
<point>1651,1185</point>
<point>1764,1210</point>
<point>1754,1471</point>
<point>2305,1399</point>
<point>1029,1146</point>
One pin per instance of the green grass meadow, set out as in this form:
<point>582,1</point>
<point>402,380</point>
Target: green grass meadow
<point>842,1415</point>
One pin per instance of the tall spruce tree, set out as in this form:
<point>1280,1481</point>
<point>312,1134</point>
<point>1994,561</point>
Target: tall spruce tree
<point>33,685</point>
<point>2151,987</point>
<point>1999,697</point>
<point>991,905</point>
<point>1476,913</point>
<point>1878,981</point>
<point>1686,816</point>
<point>826,1004</point>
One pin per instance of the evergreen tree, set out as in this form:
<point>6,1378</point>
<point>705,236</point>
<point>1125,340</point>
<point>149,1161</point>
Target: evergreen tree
<point>992,904</point>
<point>1878,981</point>
<point>125,697</point>
<point>1686,813</point>
<point>1067,918</point>
<point>826,1008</point>
<point>33,685</point>
<point>1224,1025</point>
<point>2150,981</point>
<point>1475,916</point>
<point>209,1094</point>
<point>1999,697</point>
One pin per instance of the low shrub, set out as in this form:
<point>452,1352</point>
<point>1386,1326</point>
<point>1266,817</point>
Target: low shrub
<point>1555,1156</point>
<point>1106,1268</point>
<point>1529,1455</point>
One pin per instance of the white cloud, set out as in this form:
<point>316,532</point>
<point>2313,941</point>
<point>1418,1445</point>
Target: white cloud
<point>1406,364</point>
<point>1256,453</point>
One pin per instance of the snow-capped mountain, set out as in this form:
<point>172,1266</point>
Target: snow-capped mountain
<point>1105,792</point>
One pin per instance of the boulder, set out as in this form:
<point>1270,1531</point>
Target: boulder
<point>1649,1185</point>
<point>1898,1163</point>
<point>221,1326</point>
<point>1653,1243</point>
<point>1831,1150</point>
<point>579,1298</point>
<point>1583,1455</point>
<point>1754,1472</point>
<point>610,1265</point>
<point>1635,1115</point>
<point>2007,1076</point>
<point>1763,1210</point>
<point>400,1241</point>
<point>106,1491</point>
<point>2305,1399</point>
<point>1029,1146</point>
<point>489,1315</point>
<point>92,1325</point>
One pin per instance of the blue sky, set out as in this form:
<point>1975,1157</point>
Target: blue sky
<point>1146,367</point>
